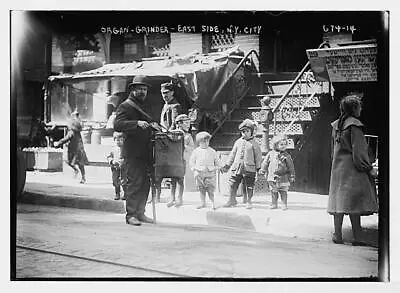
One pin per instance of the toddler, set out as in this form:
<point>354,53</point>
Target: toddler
<point>279,168</point>
<point>204,163</point>
<point>116,161</point>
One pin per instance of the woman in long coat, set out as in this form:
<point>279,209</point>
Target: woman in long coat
<point>351,191</point>
<point>76,151</point>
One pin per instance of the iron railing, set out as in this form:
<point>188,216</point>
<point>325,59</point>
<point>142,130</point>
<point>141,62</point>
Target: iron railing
<point>290,89</point>
<point>248,56</point>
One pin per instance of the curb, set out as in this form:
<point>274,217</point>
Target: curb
<point>84,202</point>
<point>310,227</point>
<point>186,215</point>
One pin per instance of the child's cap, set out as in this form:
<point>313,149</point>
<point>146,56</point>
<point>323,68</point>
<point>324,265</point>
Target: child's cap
<point>118,135</point>
<point>202,136</point>
<point>247,123</point>
<point>182,117</point>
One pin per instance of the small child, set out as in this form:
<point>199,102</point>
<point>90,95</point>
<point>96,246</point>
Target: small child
<point>245,159</point>
<point>278,165</point>
<point>204,163</point>
<point>182,123</point>
<point>118,170</point>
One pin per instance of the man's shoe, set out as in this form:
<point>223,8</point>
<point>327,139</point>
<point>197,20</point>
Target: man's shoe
<point>133,221</point>
<point>273,207</point>
<point>201,206</point>
<point>145,219</point>
<point>117,197</point>
<point>284,208</point>
<point>83,181</point>
<point>337,240</point>
<point>249,206</point>
<point>170,204</point>
<point>178,204</point>
<point>123,197</point>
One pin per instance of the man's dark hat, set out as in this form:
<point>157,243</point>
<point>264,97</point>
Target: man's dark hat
<point>139,80</point>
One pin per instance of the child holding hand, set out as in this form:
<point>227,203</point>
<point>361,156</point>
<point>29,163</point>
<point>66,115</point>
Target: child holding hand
<point>279,169</point>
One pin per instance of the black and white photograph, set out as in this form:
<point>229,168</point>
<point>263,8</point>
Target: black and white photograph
<point>211,146</point>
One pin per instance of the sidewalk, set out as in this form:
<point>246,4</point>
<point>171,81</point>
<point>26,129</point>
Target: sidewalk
<point>306,217</point>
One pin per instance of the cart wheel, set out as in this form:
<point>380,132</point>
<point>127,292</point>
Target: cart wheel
<point>21,173</point>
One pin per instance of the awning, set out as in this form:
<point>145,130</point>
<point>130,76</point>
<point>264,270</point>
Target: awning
<point>199,74</point>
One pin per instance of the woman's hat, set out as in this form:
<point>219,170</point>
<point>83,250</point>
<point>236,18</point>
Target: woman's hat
<point>139,80</point>
<point>202,135</point>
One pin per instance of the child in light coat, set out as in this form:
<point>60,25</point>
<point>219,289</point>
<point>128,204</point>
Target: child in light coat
<point>204,163</point>
<point>117,164</point>
<point>279,169</point>
<point>245,159</point>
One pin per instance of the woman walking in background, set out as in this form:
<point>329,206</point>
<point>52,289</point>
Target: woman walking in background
<point>351,191</point>
<point>77,158</point>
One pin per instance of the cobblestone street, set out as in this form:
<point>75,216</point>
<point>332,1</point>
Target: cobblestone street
<point>196,251</point>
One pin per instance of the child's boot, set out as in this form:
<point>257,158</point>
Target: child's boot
<point>179,202</point>
<point>284,200</point>
<point>117,193</point>
<point>244,191</point>
<point>250,195</point>
<point>232,198</point>
<point>274,203</point>
<point>211,196</point>
<point>203,200</point>
<point>82,169</point>
<point>172,199</point>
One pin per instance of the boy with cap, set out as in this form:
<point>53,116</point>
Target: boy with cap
<point>182,123</point>
<point>245,159</point>
<point>204,163</point>
<point>117,164</point>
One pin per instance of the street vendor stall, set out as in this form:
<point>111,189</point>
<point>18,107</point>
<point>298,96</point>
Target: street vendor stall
<point>95,94</point>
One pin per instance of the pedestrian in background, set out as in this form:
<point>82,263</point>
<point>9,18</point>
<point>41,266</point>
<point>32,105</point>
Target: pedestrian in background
<point>351,190</point>
<point>77,158</point>
<point>182,123</point>
<point>245,159</point>
<point>117,164</point>
<point>279,168</point>
<point>204,163</point>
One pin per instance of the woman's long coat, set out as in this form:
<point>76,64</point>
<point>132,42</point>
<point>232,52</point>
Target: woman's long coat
<point>351,189</point>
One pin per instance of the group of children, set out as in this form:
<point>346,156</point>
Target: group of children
<point>244,162</point>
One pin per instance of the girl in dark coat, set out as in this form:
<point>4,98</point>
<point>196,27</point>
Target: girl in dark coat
<point>351,190</point>
<point>76,152</point>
